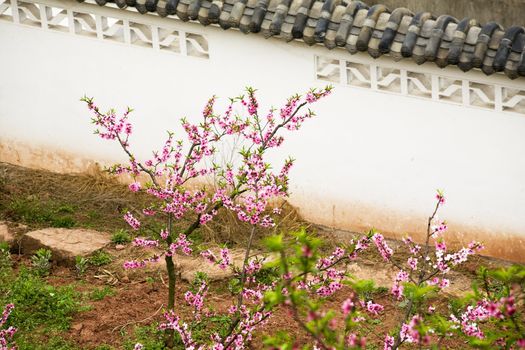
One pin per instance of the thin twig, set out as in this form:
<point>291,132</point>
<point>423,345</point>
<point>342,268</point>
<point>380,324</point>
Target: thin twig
<point>134,322</point>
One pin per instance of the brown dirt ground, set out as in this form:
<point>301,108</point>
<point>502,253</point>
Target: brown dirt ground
<point>98,202</point>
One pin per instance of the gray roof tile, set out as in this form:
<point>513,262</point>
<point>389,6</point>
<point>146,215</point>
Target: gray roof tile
<point>352,24</point>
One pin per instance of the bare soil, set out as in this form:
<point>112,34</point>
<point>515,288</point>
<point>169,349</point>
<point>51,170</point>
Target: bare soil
<point>31,199</point>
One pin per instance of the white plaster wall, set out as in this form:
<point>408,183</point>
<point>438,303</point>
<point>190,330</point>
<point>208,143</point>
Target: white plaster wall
<point>368,159</point>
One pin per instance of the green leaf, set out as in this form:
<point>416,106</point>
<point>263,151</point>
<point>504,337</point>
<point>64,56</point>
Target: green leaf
<point>274,243</point>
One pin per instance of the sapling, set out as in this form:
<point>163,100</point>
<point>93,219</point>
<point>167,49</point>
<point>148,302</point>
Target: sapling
<point>245,188</point>
<point>309,279</point>
<point>421,276</point>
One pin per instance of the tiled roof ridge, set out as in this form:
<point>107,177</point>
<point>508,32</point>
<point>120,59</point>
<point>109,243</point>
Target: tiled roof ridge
<point>356,26</point>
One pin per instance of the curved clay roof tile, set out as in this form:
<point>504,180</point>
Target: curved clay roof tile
<point>279,16</point>
<point>300,19</point>
<point>324,19</point>
<point>121,4</point>
<point>456,47</point>
<point>483,42</point>
<point>194,8</point>
<point>505,46</point>
<point>140,5</point>
<point>368,26</point>
<point>258,15</point>
<point>214,12</point>
<point>391,28</point>
<point>151,5</point>
<point>347,20</point>
<point>413,32</point>
<point>436,35</point>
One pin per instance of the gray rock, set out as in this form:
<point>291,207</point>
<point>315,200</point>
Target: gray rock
<point>65,244</point>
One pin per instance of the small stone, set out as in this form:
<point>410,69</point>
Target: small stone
<point>77,327</point>
<point>125,279</point>
<point>120,247</point>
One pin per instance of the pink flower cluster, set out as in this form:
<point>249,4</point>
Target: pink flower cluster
<point>136,264</point>
<point>354,341</point>
<point>470,320</point>
<point>397,287</point>
<point>132,221</point>
<point>389,342</point>
<point>410,334</point>
<point>134,187</point>
<point>383,248</point>
<point>225,259</point>
<point>196,300</point>
<point>174,322</point>
<point>145,243</point>
<point>6,334</point>
<point>223,262</point>
<point>373,308</point>
<point>111,125</point>
<point>181,243</point>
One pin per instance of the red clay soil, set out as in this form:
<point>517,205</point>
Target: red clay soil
<point>138,302</point>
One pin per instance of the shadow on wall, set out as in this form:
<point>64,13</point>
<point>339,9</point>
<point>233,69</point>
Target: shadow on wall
<point>506,12</point>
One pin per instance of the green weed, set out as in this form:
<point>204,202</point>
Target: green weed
<point>100,258</point>
<point>41,261</point>
<point>81,265</point>
<point>100,293</point>
<point>120,237</point>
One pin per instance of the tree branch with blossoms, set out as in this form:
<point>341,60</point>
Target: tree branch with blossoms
<point>309,280</point>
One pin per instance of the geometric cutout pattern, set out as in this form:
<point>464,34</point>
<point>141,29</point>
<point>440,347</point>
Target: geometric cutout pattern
<point>420,84</point>
<point>112,28</point>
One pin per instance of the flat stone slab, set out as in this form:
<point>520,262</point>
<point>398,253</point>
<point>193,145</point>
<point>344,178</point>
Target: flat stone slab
<point>65,244</point>
<point>384,274</point>
<point>187,266</point>
<point>190,265</point>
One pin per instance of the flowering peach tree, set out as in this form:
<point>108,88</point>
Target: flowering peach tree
<point>246,188</point>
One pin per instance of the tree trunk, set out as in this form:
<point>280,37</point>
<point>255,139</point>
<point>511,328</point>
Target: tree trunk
<point>170,333</point>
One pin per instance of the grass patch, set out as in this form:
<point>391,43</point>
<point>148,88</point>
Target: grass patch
<point>100,293</point>
<point>54,342</point>
<point>31,210</point>
<point>121,237</point>
<point>41,312</point>
<point>150,336</point>
<point>38,304</point>
<point>100,258</point>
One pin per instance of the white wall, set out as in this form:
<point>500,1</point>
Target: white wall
<point>369,159</point>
